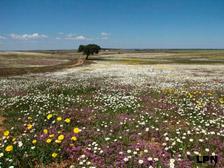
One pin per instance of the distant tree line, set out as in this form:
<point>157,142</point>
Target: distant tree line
<point>89,49</point>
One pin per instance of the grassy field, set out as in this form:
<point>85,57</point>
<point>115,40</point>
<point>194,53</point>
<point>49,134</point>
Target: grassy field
<point>167,57</point>
<point>123,109</point>
<point>17,63</point>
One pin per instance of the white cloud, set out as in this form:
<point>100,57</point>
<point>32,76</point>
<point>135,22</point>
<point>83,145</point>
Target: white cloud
<point>58,38</point>
<point>60,33</point>
<point>34,36</point>
<point>2,37</point>
<point>75,37</point>
<point>81,37</point>
<point>104,34</point>
<point>104,38</point>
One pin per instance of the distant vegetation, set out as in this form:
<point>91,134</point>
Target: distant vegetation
<point>89,49</point>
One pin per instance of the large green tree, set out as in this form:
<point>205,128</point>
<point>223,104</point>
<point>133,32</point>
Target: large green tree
<point>81,48</point>
<point>89,49</point>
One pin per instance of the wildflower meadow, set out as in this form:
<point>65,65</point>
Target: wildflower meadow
<point>113,115</point>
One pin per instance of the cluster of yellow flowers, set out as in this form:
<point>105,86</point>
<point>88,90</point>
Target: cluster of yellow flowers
<point>8,148</point>
<point>59,118</point>
<point>51,137</point>
<point>61,137</point>
<point>169,90</point>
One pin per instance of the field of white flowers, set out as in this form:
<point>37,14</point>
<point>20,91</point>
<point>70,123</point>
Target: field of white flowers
<point>109,114</point>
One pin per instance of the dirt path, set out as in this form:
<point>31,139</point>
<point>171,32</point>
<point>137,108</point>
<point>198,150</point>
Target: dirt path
<point>5,72</point>
<point>80,61</point>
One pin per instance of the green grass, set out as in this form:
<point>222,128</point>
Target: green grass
<point>166,57</point>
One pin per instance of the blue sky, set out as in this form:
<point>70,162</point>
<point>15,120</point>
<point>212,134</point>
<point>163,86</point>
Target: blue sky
<point>64,24</point>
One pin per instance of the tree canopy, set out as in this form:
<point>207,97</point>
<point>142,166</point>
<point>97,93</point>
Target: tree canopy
<point>89,49</point>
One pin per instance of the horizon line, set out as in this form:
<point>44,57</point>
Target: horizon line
<point>120,49</point>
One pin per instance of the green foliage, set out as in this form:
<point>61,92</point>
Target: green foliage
<point>81,48</point>
<point>89,49</point>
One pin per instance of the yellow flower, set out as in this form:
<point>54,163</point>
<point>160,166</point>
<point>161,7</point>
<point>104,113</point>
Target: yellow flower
<point>57,141</point>
<point>61,137</point>
<point>34,141</point>
<point>45,131</point>
<point>29,126</point>
<point>54,155</point>
<point>48,140</point>
<point>49,116</point>
<point>221,100</point>
<point>13,139</point>
<point>29,118</point>
<point>67,120</point>
<point>9,148</point>
<point>6,133</point>
<point>73,138</point>
<point>51,136</point>
<point>76,130</point>
<point>59,118</point>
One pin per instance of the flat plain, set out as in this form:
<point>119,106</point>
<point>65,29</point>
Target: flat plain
<point>121,108</point>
